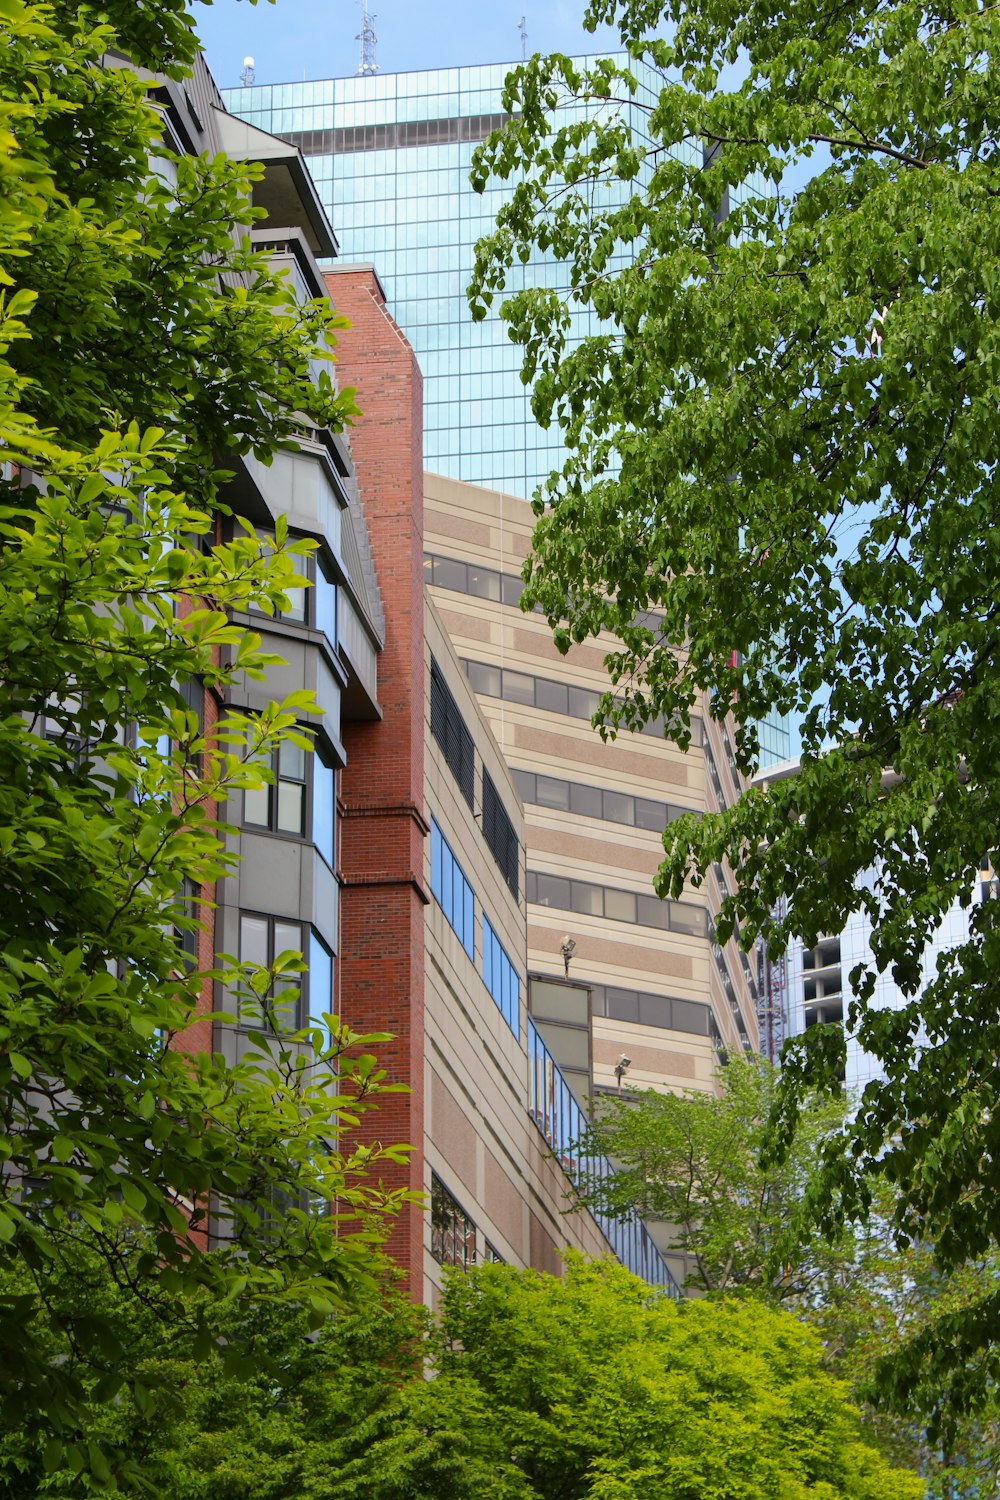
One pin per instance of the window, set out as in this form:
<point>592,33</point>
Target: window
<point>663,1011</point>
<point>320,982</point>
<point>484,583</point>
<point>485,679</point>
<point>619,807</point>
<point>583,704</point>
<point>192,690</point>
<point>586,899</point>
<point>317,605</point>
<point>453,1234</point>
<point>282,805</point>
<point>593,801</point>
<point>652,912</point>
<point>501,979</point>
<point>586,801</point>
<point>549,791</point>
<point>186,933</point>
<point>324,596</point>
<point>449,730</point>
<point>555,696</point>
<point>501,839</point>
<point>324,807</point>
<point>518,687</point>
<point>286,805</point>
<point>262,941</point>
<point>451,890</point>
<point>548,890</point>
<point>618,906</point>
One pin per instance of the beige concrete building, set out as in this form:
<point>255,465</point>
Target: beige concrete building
<point>662,992</point>
<point>496,1188</point>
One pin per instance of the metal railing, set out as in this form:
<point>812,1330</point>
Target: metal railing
<point>562,1124</point>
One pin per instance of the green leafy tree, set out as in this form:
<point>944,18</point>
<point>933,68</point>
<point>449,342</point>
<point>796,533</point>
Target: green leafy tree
<point>267,1421</point>
<point>599,1391</point>
<point>896,1304</point>
<point>583,1388</point>
<point>693,1161</point>
<point>781,437</point>
<point>141,343</point>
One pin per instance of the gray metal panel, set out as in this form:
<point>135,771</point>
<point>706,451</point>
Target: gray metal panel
<point>321,898</point>
<point>271,876</point>
<point>299,485</point>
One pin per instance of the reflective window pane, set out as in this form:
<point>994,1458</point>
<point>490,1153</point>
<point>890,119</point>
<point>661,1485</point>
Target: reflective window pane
<point>553,696</point>
<point>586,800</point>
<point>619,807</point>
<point>484,582</point>
<point>619,905</point>
<point>324,809</point>
<point>292,761</point>
<point>257,805</point>
<point>518,687</point>
<point>652,912</point>
<point>586,898</point>
<point>291,807</point>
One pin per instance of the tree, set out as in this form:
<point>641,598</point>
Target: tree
<point>596,1390</point>
<point>141,343</point>
<point>781,438</point>
<point>274,1418</point>
<point>583,1388</point>
<point>693,1161</point>
<point>895,1303</point>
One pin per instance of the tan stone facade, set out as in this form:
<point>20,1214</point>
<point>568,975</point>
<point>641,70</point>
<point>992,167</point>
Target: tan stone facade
<point>480,1141</point>
<point>592,830</point>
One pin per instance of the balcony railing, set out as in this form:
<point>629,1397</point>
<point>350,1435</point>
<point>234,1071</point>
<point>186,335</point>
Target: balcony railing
<point>562,1124</point>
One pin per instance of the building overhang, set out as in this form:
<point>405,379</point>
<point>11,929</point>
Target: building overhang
<point>287,192</point>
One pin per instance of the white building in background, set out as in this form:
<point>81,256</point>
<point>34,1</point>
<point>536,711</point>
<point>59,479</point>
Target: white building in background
<point>817,985</point>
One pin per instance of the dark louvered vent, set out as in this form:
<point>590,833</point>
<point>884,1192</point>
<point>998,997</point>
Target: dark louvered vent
<point>448,728</point>
<point>498,831</point>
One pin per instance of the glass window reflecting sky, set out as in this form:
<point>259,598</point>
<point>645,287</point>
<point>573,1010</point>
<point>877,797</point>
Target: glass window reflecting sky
<point>409,209</point>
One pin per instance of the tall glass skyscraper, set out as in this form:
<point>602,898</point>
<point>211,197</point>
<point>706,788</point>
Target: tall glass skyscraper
<point>391,155</point>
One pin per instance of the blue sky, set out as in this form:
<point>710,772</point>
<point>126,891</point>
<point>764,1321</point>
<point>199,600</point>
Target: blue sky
<point>293,40</point>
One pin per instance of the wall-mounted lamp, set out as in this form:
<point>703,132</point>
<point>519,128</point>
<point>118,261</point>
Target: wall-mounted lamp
<point>621,1067</point>
<point>567,949</point>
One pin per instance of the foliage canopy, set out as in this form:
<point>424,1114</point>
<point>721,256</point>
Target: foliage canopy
<point>781,437</point>
<point>693,1161</point>
<point>142,343</point>
<point>575,1389</point>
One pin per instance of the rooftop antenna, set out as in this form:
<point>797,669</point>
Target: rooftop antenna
<point>366,36</point>
<point>248,72</point>
<point>523,29</point>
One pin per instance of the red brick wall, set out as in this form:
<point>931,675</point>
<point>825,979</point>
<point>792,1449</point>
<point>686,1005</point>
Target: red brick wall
<point>381,963</point>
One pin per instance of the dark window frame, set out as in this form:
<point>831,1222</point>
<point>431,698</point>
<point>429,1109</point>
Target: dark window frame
<point>310,565</point>
<point>451,733</point>
<point>500,835</point>
<point>301,980</point>
<point>452,1230</point>
<point>307,834</point>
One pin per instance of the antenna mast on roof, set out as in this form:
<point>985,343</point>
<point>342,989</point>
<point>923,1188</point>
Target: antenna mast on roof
<point>366,36</point>
<point>248,72</point>
<point>523,29</point>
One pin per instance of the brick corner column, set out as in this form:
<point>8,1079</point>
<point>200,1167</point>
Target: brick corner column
<point>381,963</point>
